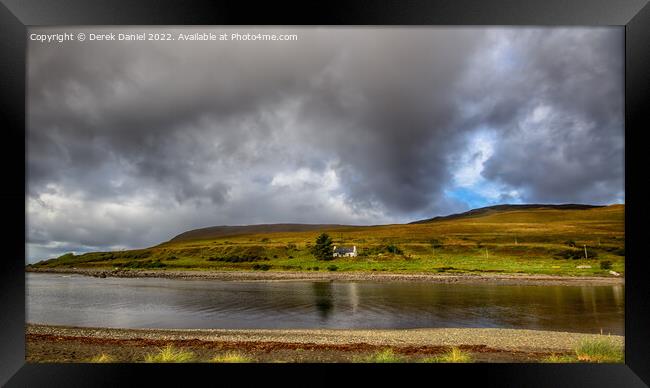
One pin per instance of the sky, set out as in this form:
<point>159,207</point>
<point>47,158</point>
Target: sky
<point>130,143</point>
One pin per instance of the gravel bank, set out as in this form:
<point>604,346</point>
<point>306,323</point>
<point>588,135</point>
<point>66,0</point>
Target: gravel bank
<point>522,279</point>
<point>489,339</point>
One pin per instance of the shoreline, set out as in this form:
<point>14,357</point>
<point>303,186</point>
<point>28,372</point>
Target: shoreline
<point>269,276</point>
<point>47,343</point>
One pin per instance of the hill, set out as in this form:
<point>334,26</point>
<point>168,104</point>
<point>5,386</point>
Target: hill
<point>501,208</point>
<point>532,239</point>
<point>214,232</point>
<point>225,231</point>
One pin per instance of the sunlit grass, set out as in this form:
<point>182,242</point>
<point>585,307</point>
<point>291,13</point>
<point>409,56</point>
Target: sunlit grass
<point>102,358</point>
<point>455,355</point>
<point>231,357</point>
<point>383,356</point>
<point>170,354</point>
<point>603,349</point>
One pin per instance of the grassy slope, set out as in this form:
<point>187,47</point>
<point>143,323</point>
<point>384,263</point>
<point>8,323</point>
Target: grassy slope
<point>518,241</point>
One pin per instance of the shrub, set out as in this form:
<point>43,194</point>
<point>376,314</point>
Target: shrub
<point>393,249</point>
<point>261,267</point>
<point>144,264</point>
<point>141,254</point>
<point>106,256</point>
<point>239,259</point>
<point>575,254</point>
<point>169,354</point>
<point>570,243</point>
<point>443,269</point>
<point>370,251</point>
<point>315,268</point>
<point>605,264</point>
<point>332,268</point>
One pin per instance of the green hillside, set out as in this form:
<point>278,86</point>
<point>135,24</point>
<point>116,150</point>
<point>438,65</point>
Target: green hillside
<point>533,239</point>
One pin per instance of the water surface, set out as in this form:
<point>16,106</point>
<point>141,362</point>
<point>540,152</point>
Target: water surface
<point>173,303</point>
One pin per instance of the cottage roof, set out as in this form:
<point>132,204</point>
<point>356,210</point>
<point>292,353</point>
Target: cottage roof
<point>344,250</point>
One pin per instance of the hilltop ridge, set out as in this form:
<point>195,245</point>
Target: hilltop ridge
<point>239,230</point>
<point>508,207</point>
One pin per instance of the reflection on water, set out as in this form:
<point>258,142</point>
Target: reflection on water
<point>168,303</point>
<point>323,298</point>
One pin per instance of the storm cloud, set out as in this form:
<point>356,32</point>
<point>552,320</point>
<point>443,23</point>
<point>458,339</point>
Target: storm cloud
<point>131,143</point>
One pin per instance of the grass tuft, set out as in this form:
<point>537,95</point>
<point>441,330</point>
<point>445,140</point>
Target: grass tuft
<point>603,349</point>
<point>231,357</point>
<point>455,355</point>
<point>384,356</point>
<point>102,358</point>
<point>169,354</point>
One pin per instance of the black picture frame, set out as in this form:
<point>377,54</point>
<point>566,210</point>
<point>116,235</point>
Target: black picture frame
<point>16,15</point>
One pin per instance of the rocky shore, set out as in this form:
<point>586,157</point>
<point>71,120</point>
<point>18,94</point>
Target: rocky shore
<point>513,279</point>
<point>46,343</point>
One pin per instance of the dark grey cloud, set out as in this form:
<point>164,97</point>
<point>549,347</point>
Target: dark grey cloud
<point>557,106</point>
<point>130,143</point>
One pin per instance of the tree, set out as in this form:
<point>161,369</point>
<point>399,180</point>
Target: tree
<point>323,249</point>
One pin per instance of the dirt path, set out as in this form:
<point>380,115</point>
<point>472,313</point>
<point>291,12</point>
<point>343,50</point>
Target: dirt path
<point>513,279</point>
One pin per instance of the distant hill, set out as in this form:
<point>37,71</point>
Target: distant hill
<point>501,208</point>
<point>225,231</point>
<point>569,239</point>
<point>214,232</point>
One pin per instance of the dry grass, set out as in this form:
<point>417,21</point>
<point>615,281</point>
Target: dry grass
<point>102,358</point>
<point>231,357</point>
<point>383,356</point>
<point>170,354</point>
<point>455,355</point>
<point>556,358</point>
<point>600,350</point>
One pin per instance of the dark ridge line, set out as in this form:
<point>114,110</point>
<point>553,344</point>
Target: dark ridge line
<point>483,210</point>
<point>228,231</point>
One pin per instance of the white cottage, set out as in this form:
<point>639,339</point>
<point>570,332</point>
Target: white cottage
<point>345,251</point>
